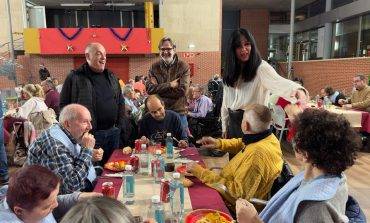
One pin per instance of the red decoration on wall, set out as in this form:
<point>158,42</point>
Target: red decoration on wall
<point>52,42</point>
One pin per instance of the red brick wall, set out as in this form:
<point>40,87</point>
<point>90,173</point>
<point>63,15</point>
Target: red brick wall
<point>206,64</point>
<point>337,73</point>
<point>257,22</point>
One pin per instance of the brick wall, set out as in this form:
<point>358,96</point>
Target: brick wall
<point>257,22</point>
<point>206,64</point>
<point>337,73</point>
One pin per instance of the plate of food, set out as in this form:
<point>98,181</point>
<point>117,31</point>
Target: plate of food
<point>207,216</point>
<point>115,166</point>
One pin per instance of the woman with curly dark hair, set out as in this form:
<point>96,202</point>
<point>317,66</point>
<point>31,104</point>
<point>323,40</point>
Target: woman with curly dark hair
<point>326,145</point>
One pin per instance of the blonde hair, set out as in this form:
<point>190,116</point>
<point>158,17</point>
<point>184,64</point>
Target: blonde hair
<point>98,210</point>
<point>33,90</point>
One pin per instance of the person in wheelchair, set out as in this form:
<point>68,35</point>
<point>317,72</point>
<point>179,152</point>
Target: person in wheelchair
<point>202,105</point>
<point>325,143</point>
<point>257,163</point>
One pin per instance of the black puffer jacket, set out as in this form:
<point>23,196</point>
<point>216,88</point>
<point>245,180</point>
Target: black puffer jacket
<point>77,88</point>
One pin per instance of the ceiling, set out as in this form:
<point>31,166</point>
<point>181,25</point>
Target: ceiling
<point>272,5</point>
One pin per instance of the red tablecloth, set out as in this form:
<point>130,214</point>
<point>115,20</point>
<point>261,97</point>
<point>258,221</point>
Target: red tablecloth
<point>365,122</point>
<point>201,196</point>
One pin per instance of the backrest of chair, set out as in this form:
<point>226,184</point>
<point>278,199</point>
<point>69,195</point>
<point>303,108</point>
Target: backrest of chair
<point>284,177</point>
<point>278,115</point>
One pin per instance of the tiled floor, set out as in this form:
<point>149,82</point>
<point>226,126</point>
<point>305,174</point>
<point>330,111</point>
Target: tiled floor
<point>358,178</point>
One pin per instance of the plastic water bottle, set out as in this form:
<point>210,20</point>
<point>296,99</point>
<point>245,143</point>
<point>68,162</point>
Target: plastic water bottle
<point>128,181</point>
<point>144,167</point>
<point>177,197</point>
<point>327,102</point>
<point>157,210</point>
<point>158,167</point>
<point>169,145</point>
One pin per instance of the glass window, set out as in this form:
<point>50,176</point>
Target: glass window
<point>345,38</point>
<point>278,46</point>
<point>365,36</point>
<point>339,3</point>
<point>82,18</point>
<point>60,18</point>
<point>105,18</point>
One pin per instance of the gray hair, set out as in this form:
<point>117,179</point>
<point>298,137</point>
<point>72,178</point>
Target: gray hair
<point>127,89</point>
<point>91,46</point>
<point>361,76</point>
<point>49,83</point>
<point>70,112</point>
<point>98,210</point>
<point>258,117</point>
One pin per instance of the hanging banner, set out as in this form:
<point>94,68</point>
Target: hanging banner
<point>115,40</point>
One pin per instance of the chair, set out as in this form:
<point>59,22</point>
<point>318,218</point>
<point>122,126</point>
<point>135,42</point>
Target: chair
<point>279,120</point>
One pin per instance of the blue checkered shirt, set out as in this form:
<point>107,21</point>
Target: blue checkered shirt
<point>53,154</point>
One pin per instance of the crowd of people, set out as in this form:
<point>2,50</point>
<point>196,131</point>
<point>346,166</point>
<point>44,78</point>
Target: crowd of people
<point>98,113</point>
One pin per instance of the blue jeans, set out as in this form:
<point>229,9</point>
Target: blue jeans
<point>184,121</point>
<point>108,140</point>
<point>3,159</point>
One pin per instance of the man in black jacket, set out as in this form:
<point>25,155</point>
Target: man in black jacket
<point>97,88</point>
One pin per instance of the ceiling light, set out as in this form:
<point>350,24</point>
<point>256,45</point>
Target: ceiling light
<point>75,4</point>
<point>119,4</point>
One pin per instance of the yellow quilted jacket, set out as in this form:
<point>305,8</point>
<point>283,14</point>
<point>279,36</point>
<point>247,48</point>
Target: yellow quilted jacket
<point>251,173</point>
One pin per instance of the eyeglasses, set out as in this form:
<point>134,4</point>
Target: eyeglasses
<point>166,49</point>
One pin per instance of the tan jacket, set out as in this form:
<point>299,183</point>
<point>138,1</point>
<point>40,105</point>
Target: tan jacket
<point>160,75</point>
<point>361,99</point>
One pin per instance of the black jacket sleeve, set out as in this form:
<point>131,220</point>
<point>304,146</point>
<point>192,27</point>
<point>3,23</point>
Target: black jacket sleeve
<point>66,93</point>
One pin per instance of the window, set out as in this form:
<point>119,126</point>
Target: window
<point>278,46</point>
<point>339,3</point>
<point>305,45</point>
<point>365,36</point>
<point>345,35</point>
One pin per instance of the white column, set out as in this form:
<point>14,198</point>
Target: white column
<point>291,36</point>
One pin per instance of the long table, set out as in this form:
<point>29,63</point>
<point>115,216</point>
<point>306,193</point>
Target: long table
<point>357,119</point>
<point>199,196</point>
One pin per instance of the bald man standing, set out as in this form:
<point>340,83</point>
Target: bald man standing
<point>98,89</point>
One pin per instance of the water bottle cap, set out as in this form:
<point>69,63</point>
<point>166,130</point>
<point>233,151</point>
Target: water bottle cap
<point>158,152</point>
<point>128,167</point>
<point>176,175</point>
<point>143,146</point>
<point>168,134</point>
<point>156,199</point>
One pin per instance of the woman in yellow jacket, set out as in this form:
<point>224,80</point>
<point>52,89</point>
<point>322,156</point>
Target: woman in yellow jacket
<point>258,162</point>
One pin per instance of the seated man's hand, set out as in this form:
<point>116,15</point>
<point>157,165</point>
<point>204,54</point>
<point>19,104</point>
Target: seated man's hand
<point>97,154</point>
<point>341,101</point>
<point>208,142</point>
<point>191,166</point>
<point>245,212</point>
<point>144,140</point>
<point>347,106</point>
<point>88,140</point>
<point>182,144</point>
<point>87,195</point>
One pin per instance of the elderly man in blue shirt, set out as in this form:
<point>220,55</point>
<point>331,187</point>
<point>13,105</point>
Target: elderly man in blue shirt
<point>202,105</point>
<point>67,149</point>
